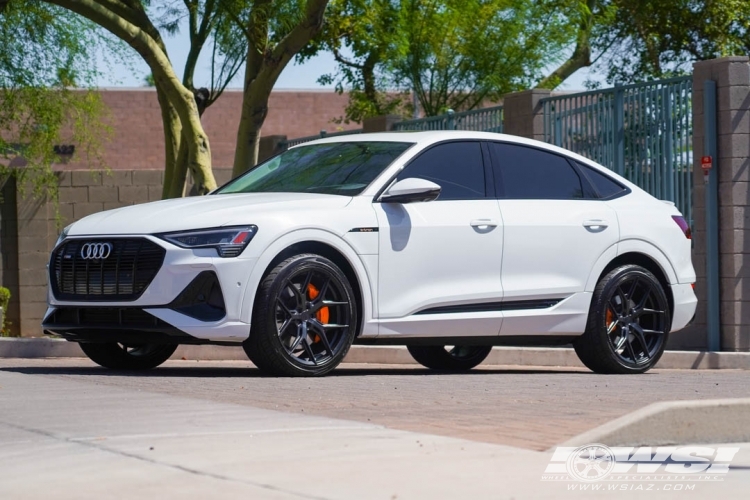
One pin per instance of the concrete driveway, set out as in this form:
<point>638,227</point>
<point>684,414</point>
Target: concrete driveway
<point>219,430</point>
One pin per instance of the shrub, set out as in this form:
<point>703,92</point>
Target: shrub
<point>4,300</point>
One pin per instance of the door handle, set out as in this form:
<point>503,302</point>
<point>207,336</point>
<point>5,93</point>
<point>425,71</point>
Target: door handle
<point>596,223</point>
<point>483,223</point>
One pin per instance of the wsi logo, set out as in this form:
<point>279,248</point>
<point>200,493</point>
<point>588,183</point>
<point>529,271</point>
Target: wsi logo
<point>597,462</point>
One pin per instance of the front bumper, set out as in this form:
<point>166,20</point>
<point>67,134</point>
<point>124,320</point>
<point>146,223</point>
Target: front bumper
<point>169,309</point>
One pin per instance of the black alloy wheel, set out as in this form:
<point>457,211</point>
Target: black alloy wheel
<point>449,358</point>
<point>119,356</point>
<point>628,323</point>
<point>304,320</point>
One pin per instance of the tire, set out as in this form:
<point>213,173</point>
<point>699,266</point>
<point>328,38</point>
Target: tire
<point>459,358</point>
<point>628,323</point>
<point>304,318</point>
<point>125,357</point>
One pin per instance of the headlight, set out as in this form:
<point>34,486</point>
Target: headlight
<point>63,234</point>
<point>228,241</point>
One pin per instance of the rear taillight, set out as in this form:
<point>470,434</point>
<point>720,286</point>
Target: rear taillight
<point>683,225</point>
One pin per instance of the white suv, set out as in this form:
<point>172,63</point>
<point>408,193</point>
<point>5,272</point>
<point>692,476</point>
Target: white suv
<point>446,242</point>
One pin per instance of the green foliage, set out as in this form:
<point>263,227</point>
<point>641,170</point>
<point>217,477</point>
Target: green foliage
<point>4,301</point>
<point>45,53</point>
<point>454,54</point>
<point>645,39</point>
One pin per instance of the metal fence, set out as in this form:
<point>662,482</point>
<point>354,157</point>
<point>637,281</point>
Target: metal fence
<point>643,132</point>
<point>484,119</point>
<point>293,142</point>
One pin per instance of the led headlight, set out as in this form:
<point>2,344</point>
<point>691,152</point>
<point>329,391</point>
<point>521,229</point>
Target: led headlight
<point>228,241</point>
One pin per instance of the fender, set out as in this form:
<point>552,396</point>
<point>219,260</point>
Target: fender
<point>631,246</point>
<point>300,236</point>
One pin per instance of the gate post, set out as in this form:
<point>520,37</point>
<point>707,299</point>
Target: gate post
<point>731,163</point>
<point>523,114</point>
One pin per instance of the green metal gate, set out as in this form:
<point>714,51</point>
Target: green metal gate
<point>643,132</point>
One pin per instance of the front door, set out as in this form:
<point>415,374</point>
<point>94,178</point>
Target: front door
<point>439,261</point>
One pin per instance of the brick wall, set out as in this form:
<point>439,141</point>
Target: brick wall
<point>137,141</point>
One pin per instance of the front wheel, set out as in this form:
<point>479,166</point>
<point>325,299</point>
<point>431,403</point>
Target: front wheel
<point>449,358</point>
<point>628,323</point>
<point>119,356</point>
<point>304,318</point>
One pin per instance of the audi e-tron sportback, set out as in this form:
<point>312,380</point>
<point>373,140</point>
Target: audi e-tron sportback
<point>446,242</point>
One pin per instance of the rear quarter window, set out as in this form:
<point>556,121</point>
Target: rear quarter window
<point>605,186</point>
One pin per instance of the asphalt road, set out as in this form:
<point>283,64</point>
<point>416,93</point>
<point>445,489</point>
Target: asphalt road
<point>514,406</point>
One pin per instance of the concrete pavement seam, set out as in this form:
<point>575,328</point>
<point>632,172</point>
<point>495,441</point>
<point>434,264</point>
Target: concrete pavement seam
<point>91,444</point>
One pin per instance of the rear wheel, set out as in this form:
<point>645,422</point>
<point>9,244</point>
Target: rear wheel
<point>304,319</point>
<point>449,358</point>
<point>628,323</point>
<point>119,356</point>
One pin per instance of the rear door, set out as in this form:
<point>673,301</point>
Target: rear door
<point>556,229</point>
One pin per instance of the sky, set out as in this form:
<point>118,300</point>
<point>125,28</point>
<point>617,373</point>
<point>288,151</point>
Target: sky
<point>294,76</point>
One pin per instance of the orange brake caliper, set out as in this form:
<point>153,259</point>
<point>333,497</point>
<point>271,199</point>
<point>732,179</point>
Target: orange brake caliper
<point>610,317</point>
<point>322,313</point>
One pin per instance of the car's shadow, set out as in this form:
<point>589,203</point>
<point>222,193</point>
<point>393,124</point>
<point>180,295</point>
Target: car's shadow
<point>252,372</point>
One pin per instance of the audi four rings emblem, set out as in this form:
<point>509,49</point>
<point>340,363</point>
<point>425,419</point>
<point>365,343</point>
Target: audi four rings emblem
<point>96,250</point>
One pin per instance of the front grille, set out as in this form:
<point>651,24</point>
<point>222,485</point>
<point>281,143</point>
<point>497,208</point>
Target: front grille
<point>122,276</point>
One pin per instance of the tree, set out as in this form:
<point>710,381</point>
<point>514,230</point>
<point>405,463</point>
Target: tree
<point>451,53</point>
<point>262,34</point>
<point>45,59</point>
<point>207,24</point>
<point>363,37</point>
<point>129,21</point>
<point>275,33</point>
<point>647,39</point>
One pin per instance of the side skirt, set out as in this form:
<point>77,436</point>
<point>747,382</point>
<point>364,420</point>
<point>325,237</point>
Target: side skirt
<point>516,341</point>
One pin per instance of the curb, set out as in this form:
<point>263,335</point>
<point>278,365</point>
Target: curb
<point>674,422</point>
<point>393,355</point>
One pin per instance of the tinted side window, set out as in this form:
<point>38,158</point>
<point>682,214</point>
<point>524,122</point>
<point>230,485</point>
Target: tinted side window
<point>532,174</point>
<point>605,186</point>
<point>456,166</point>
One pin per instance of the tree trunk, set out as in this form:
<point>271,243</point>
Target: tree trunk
<point>172,141</point>
<point>581,56</point>
<point>254,111</point>
<point>262,68</point>
<point>177,186</point>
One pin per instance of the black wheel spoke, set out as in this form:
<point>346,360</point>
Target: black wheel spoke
<point>323,290</point>
<point>301,335</point>
<point>285,326</point>
<point>321,332</point>
<point>639,334</point>
<point>621,342</point>
<point>284,307</point>
<point>630,350</point>
<point>298,295</point>
<point>631,291</point>
<point>305,285</point>
<point>308,349</point>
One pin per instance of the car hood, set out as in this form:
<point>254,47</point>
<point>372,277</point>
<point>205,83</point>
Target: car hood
<point>200,212</point>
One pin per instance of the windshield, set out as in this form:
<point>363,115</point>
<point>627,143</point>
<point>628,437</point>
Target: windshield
<point>344,168</point>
